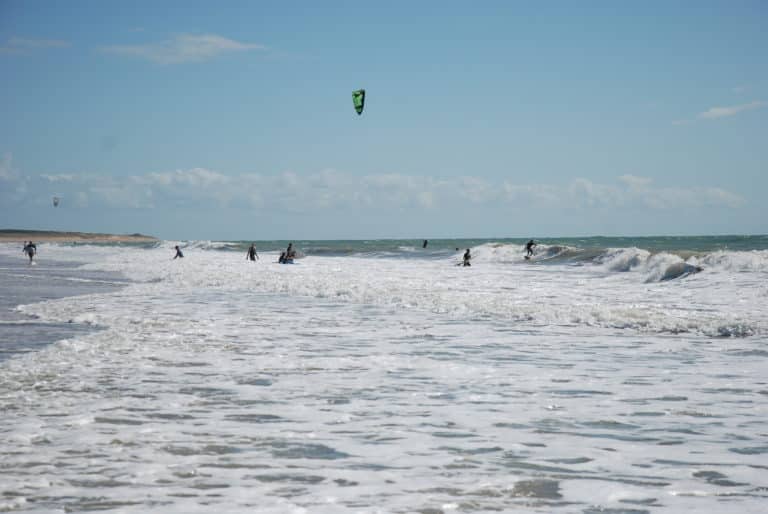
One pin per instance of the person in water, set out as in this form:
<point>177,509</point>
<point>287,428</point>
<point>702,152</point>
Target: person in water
<point>467,258</point>
<point>290,253</point>
<point>281,260</point>
<point>424,244</point>
<point>529,248</point>
<point>30,249</point>
<point>251,253</point>
<point>178,253</point>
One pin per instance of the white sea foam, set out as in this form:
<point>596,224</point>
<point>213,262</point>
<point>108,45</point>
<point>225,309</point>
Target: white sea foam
<point>624,259</point>
<point>349,384</point>
<point>753,261</point>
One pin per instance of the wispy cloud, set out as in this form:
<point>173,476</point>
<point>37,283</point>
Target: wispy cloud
<point>182,48</point>
<point>330,189</point>
<point>634,191</point>
<point>6,168</point>
<point>724,112</point>
<point>17,45</point>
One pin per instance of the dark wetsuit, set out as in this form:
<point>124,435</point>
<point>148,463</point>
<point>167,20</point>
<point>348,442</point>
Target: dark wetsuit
<point>252,253</point>
<point>467,258</point>
<point>178,253</point>
<point>30,249</point>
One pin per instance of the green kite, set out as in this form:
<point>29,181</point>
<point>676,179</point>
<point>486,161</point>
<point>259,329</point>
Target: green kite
<point>358,98</point>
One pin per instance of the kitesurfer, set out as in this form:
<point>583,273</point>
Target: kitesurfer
<point>529,248</point>
<point>424,244</point>
<point>290,253</point>
<point>251,253</point>
<point>178,253</point>
<point>467,258</point>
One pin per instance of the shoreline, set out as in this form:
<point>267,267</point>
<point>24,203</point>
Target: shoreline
<point>50,236</point>
<point>21,332</point>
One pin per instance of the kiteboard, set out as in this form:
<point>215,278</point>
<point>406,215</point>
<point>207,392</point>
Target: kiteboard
<point>527,257</point>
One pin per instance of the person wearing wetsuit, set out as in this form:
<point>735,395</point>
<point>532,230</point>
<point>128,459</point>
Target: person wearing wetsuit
<point>290,253</point>
<point>251,254</point>
<point>529,248</point>
<point>178,253</point>
<point>467,258</point>
<point>424,244</point>
<point>30,249</point>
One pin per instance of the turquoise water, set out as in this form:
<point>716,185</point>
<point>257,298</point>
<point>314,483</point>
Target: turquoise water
<point>679,245</point>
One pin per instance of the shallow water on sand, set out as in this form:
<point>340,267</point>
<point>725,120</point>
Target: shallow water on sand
<point>22,283</point>
<point>343,386</point>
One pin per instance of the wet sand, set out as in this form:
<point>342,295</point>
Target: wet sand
<point>24,284</point>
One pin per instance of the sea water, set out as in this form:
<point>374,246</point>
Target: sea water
<point>606,376</point>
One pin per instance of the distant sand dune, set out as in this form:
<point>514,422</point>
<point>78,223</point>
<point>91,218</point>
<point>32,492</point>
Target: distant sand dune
<point>43,236</point>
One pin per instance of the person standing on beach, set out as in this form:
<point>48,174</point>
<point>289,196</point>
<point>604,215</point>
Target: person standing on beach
<point>251,253</point>
<point>178,253</point>
<point>30,249</point>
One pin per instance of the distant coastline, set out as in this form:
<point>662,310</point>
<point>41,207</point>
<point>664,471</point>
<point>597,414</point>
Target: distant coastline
<point>50,236</point>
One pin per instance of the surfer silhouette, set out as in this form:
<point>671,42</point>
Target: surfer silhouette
<point>467,258</point>
<point>251,253</point>
<point>529,249</point>
<point>30,249</point>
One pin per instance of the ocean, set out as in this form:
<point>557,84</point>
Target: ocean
<point>604,375</point>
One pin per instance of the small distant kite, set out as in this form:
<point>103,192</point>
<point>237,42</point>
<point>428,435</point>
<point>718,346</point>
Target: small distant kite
<point>56,201</point>
<point>358,98</point>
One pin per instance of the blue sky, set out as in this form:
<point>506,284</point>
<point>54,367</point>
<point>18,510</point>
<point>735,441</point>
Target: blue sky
<point>195,120</point>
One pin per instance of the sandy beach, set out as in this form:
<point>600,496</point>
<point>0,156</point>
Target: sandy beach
<point>47,236</point>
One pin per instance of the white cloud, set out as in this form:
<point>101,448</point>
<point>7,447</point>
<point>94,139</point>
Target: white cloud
<point>477,190</point>
<point>533,193</point>
<point>634,182</point>
<point>182,48</point>
<point>17,45</point>
<point>589,194</point>
<point>195,177</point>
<point>333,190</point>
<point>720,197</point>
<point>724,112</point>
<point>631,191</point>
<point>6,168</point>
<point>59,178</point>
